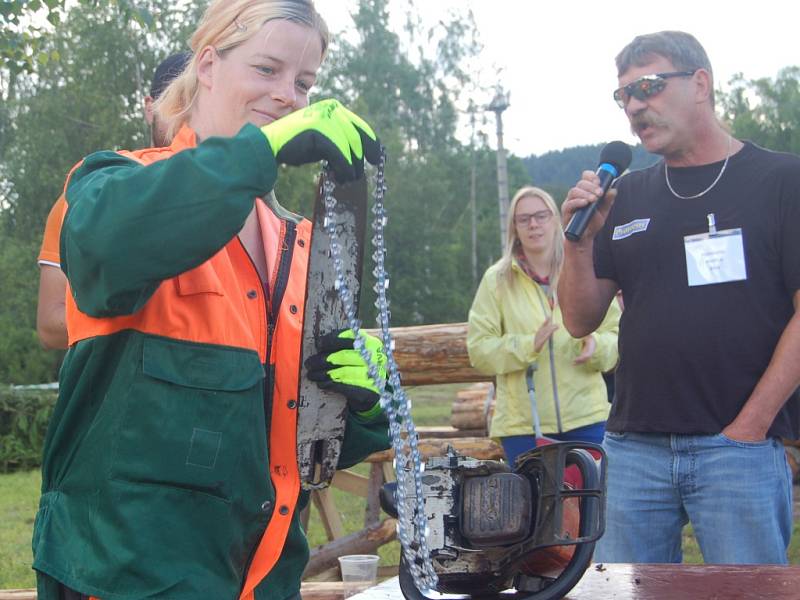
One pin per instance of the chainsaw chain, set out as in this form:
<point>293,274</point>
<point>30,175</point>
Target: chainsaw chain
<point>412,528</point>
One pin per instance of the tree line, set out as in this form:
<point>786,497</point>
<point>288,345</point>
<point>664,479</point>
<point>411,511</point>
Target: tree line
<point>80,89</point>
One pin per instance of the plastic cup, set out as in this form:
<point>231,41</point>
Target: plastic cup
<point>359,572</point>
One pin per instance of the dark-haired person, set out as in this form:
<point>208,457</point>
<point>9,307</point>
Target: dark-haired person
<point>704,247</point>
<point>165,72</point>
<point>170,468</point>
<point>50,318</point>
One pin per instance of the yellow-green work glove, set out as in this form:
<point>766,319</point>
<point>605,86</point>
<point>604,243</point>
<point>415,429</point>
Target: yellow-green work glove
<point>339,367</point>
<point>325,130</point>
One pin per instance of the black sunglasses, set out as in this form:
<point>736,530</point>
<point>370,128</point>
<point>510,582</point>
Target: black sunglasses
<point>647,86</point>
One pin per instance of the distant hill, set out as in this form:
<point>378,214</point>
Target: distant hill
<point>562,168</point>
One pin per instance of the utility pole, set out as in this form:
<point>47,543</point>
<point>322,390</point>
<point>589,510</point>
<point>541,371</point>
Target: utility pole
<point>472,205</point>
<point>497,106</point>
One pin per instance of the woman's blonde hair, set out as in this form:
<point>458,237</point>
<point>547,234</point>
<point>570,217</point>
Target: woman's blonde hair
<point>225,25</point>
<point>505,273</point>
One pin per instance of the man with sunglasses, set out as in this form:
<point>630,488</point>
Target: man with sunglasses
<point>704,247</point>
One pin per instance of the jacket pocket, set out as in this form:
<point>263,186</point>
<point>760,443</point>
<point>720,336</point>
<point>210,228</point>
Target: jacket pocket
<point>200,280</point>
<point>190,411</point>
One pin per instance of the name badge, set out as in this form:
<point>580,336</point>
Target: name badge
<point>715,257</point>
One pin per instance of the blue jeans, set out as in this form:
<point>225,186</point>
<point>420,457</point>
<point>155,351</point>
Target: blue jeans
<point>514,445</point>
<point>737,495</point>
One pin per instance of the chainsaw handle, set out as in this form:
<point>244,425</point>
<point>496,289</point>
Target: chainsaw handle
<point>590,511</point>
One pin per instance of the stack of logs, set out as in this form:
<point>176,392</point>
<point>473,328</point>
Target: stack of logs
<point>473,409</point>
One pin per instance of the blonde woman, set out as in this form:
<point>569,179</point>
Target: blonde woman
<point>170,468</point>
<point>516,334</point>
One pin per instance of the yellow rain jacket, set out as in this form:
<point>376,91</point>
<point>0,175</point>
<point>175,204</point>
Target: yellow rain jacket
<point>503,321</point>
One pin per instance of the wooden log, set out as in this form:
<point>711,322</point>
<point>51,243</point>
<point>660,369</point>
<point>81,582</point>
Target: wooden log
<point>481,387</point>
<point>475,421</point>
<point>372,514</point>
<point>366,541</point>
<point>477,391</point>
<point>480,448</point>
<point>17,594</point>
<point>473,407</point>
<point>470,395</point>
<point>469,407</point>
<point>430,354</point>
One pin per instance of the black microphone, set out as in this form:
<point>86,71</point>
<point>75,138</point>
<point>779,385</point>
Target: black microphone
<point>614,159</point>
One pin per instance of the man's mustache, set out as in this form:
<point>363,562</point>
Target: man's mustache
<point>644,120</point>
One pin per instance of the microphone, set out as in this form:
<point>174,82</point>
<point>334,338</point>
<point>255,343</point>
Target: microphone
<point>614,159</point>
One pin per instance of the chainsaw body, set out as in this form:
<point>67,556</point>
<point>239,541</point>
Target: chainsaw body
<point>530,530</point>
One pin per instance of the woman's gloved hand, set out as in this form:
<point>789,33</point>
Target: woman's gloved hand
<point>325,130</point>
<point>339,367</point>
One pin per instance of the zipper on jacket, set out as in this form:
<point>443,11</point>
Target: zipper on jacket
<point>281,281</point>
<point>282,275</point>
<point>274,298</point>
<point>272,302</point>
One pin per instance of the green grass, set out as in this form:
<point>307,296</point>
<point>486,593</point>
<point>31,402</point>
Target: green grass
<point>19,493</point>
<point>19,498</point>
<point>430,404</point>
<point>691,550</point>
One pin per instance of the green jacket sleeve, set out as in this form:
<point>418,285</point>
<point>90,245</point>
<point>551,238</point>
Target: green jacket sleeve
<point>606,353</point>
<point>362,437</point>
<point>491,350</point>
<point>129,226</point>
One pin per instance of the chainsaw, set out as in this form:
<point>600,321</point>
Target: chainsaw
<point>466,526</point>
<point>528,532</point>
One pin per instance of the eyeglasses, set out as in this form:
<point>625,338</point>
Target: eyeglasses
<point>541,217</point>
<point>647,86</point>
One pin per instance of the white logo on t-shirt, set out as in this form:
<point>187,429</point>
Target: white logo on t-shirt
<point>627,230</point>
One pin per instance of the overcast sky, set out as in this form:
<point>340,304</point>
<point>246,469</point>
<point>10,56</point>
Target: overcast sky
<point>557,57</point>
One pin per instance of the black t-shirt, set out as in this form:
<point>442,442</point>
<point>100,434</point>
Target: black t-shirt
<point>691,356</point>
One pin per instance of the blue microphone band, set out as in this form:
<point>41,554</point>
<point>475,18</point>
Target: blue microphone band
<point>610,168</point>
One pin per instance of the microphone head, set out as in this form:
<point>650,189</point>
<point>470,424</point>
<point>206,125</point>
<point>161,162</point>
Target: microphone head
<point>618,154</point>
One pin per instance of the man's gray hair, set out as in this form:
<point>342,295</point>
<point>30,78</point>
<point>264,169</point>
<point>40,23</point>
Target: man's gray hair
<point>680,48</point>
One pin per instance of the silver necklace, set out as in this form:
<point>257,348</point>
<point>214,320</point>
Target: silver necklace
<point>713,183</point>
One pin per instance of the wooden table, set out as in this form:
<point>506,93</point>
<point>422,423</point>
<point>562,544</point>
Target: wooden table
<point>662,582</point>
<point>612,582</point>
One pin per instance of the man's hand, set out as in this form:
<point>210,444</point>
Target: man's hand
<point>586,191</point>
<point>589,345</point>
<point>339,367</point>
<point>778,382</point>
<point>744,433</point>
<point>325,130</point>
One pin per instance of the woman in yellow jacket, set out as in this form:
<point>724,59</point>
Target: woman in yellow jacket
<point>515,333</point>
